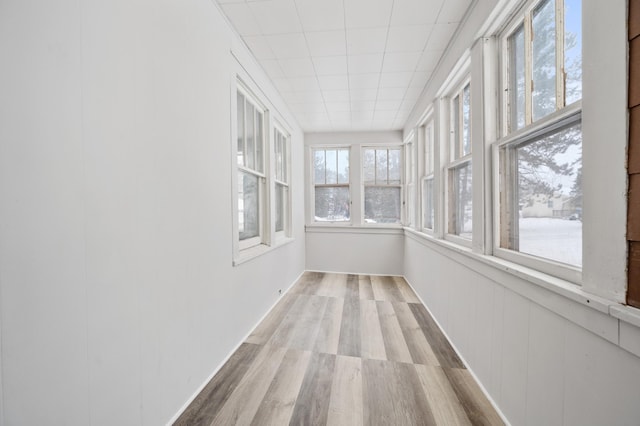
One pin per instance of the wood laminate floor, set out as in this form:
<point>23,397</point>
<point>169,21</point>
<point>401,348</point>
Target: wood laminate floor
<point>344,350</point>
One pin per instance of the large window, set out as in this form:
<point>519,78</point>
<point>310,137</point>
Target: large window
<point>541,151</point>
<point>428,210</point>
<point>331,185</point>
<point>460,189</point>
<point>251,176</point>
<point>382,172</point>
<point>282,192</point>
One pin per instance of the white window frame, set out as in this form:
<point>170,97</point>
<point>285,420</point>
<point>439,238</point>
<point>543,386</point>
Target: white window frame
<point>261,238</point>
<point>365,185</point>
<point>312,203</point>
<point>284,181</point>
<point>409,205</point>
<point>455,161</point>
<point>427,132</point>
<point>564,115</point>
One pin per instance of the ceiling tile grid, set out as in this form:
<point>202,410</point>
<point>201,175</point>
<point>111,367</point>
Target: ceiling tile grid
<point>347,64</point>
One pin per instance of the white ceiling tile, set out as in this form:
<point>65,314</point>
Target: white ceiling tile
<point>363,106</point>
<point>411,38</point>
<point>303,96</point>
<point>336,95</point>
<point>366,40</point>
<point>308,107</point>
<point>327,43</point>
<point>321,15</point>
<point>429,60</point>
<point>330,65</point>
<point>380,124</point>
<point>230,1</point>
<point>395,79</point>
<point>360,95</point>
<point>341,116</point>
<point>338,106</point>
<point>453,10</point>
<point>367,13</point>
<point>302,67</point>
<point>407,105</point>
<point>362,64</point>
<point>398,62</point>
<point>413,93</point>
<point>364,81</point>
<point>388,105</point>
<point>440,36</point>
<point>333,82</point>
<point>259,47</point>
<point>415,12</point>
<point>391,94</point>
<point>288,46</point>
<point>362,115</point>
<point>272,68</point>
<point>419,79</point>
<point>276,16</point>
<point>242,19</point>
<point>304,84</point>
<point>282,84</point>
<point>384,115</point>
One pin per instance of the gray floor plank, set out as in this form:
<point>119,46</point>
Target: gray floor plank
<point>312,405</point>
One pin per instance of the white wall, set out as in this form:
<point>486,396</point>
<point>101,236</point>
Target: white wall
<point>118,294</point>
<point>351,247</point>
<point>544,359</point>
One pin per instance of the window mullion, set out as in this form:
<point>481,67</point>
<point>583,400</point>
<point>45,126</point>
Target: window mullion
<point>560,72</point>
<point>528,68</point>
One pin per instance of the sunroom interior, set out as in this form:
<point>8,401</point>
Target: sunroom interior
<point>168,170</point>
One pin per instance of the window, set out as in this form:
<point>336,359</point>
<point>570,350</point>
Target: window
<point>409,161</point>
<point>382,171</point>
<point>541,152</point>
<point>460,189</point>
<point>250,166</point>
<point>331,185</point>
<point>282,192</point>
<point>428,210</point>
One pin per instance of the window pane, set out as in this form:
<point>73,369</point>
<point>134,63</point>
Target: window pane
<point>382,204</point>
<point>381,166</point>
<point>394,167</point>
<point>343,166</point>
<point>285,160</point>
<point>250,127</point>
<point>240,125</point>
<point>466,121</point>
<point>281,195</point>
<point>259,142</point>
<point>278,154</point>
<point>332,166</point>
<point>516,79</point>
<point>369,166</point>
<point>429,148</point>
<point>427,197</point>
<point>573,50</point>
<point>455,128</point>
<point>248,206</point>
<point>549,195</point>
<point>461,208</point>
<point>544,60</point>
<point>318,167</point>
<point>332,203</point>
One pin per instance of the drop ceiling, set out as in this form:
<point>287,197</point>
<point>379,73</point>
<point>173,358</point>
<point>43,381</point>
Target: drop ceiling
<point>347,64</point>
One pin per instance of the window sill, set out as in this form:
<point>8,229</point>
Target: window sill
<point>355,229</point>
<point>251,253</point>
